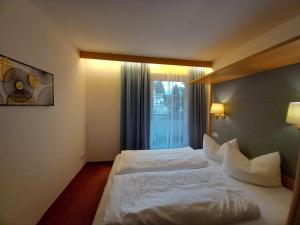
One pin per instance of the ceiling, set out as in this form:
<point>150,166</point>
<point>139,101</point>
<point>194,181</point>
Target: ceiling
<point>187,29</point>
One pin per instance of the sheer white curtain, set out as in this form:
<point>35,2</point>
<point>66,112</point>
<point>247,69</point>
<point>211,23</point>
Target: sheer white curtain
<point>169,110</point>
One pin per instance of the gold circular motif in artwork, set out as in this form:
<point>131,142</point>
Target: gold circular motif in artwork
<point>19,95</point>
<point>33,80</point>
<point>12,101</point>
<point>7,72</point>
<point>19,85</point>
<point>10,74</point>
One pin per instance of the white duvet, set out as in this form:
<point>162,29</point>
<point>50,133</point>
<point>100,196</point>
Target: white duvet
<point>133,161</point>
<point>192,197</point>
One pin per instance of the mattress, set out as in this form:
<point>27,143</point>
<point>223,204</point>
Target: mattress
<point>273,202</point>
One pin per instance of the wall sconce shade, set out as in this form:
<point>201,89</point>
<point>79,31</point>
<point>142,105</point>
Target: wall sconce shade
<point>218,110</point>
<point>293,114</point>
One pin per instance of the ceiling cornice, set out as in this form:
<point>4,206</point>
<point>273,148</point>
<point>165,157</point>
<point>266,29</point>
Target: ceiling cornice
<point>144,59</point>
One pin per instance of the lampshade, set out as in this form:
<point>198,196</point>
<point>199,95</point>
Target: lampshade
<point>217,108</point>
<point>293,114</point>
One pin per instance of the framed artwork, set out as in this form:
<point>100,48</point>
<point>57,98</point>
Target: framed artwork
<point>24,85</point>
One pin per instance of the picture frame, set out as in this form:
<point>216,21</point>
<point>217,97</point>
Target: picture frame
<point>24,85</point>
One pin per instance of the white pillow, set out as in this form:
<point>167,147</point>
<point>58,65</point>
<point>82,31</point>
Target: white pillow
<point>263,170</point>
<point>213,150</point>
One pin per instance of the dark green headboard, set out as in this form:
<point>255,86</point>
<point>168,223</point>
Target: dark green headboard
<point>256,108</point>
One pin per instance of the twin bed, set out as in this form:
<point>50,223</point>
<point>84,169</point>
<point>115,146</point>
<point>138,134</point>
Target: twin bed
<point>182,186</point>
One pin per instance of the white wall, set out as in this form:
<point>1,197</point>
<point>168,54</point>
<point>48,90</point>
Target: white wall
<point>103,104</point>
<point>277,35</point>
<point>40,147</point>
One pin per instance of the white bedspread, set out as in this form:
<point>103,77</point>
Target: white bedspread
<point>273,202</point>
<point>160,160</point>
<point>192,197</point>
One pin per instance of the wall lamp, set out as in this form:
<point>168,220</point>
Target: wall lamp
<point>218,110</point>
<point>293,114</point>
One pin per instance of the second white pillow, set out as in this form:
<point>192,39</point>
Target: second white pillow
<point>263,170</point>
<point>215,151</point>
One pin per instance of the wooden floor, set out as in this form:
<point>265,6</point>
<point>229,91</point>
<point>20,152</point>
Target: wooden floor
<point>78,203</point>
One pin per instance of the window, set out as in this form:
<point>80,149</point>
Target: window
<point>169,115</point>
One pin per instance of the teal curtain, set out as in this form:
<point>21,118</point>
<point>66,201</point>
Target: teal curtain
<point>135,106</point>
<point>197,109</point>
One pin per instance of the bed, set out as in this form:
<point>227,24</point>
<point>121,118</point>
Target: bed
<point>273,203</point>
